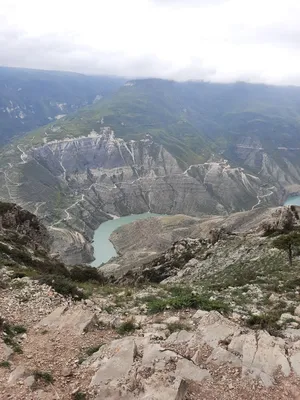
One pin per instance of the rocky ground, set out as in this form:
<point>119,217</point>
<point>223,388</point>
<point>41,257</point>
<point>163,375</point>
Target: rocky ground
<point>213,316</point>
<point>116,345</point>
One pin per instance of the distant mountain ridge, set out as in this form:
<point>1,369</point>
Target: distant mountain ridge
<point>192,120</point>
<point>32,98</point>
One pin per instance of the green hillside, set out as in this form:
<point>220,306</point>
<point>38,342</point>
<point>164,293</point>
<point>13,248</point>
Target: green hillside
<point>32,98</point>
<point>193,119</point>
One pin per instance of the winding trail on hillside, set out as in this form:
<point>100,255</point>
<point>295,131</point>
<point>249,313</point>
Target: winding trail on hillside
<point>67,212</point>
<point>259,198</point>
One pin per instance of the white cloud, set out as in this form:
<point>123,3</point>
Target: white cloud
<point>217,40</point>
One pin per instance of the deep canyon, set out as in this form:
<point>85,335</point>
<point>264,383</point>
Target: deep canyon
<point>74,185</point>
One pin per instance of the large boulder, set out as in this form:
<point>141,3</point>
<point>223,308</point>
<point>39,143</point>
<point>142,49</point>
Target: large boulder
<point>76,319</point>
<point>262,355</point>
<point>214,328</point>
<point>123,352</point>
<point>5,351</point>
<point>18,373</point>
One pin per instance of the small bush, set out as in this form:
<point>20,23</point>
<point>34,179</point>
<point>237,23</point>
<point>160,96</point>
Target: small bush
<point>63,286</point>
<point>187,300</point>
<point>17,329</point>
<point>4,364</point>
<point>126,327</point>
<point>79,396</point>
<point>86,273</point>
<point>13,344</point>
<point>43,376</point>
<point>178,326</point>
<point>24,272</point>
<point>267,322</point>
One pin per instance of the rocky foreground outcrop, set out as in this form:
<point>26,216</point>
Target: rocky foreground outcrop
<point>80,351</point>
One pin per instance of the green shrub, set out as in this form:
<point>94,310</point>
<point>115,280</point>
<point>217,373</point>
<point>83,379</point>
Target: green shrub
<point>63,286</point>
<point>178,326</point>
<point>187,300</point>
<point>126,327</point>
<point>13,344</point>
<point>11,330</point>
<point>267,322</point>
<point>4,364</point>
<point>17,329</point>
<point>43,376</point>
<point>79,396</point>
<point>86,273</point>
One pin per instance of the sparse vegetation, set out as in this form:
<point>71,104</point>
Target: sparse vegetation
<point>267,321</point>
<point>63,286</point>
<point>43,376</point>
<point>178,326</point>
<point>85,274</point>
<point>186,300</point>
<point>79,396</point>
<point>4,364</point>
<point>288,243</point>
<point>93,349</point>
<point>10,331</point>
<point>126,327</point>
<point>17,329</point>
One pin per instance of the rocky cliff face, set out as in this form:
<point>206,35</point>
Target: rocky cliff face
<point>76,184</point>
<point>24,226</point>
<point>279,165</point>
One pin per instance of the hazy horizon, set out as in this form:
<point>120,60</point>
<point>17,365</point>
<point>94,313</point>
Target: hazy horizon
<point>210,40</point>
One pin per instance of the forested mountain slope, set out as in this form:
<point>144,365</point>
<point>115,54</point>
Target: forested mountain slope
<point>31,98</point>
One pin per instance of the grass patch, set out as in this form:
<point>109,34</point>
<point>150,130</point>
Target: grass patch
<point>4,364</point>
<point>86,274</point>
<point>79,396</point>
<point>24,272</point>
<point>178,326</point>
<point>187,300</point>
<point>10,331</point>
<point>109,309</point>
<point>88,352</point>
<point>126,327</point>
<point>17,329</point>
<point>63,286</point>
<point>266,321</point>
<point>13,344</point>
<point>43,376</point>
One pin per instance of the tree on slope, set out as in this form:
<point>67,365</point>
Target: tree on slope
<point>288,243</point>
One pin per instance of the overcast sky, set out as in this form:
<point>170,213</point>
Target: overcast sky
<point>214,40</point>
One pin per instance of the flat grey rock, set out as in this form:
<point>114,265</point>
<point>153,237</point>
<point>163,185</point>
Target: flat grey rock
<point>295,362</point>
<point>5,351</point>
<point>17,374</point>
<point>181,336</point>
<point>188,370</point>
<point>154,353</point>
<point>222,356</point>
<point>119,364</point>
<point>77,319</point>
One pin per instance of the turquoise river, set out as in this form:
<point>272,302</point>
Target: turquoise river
<point>103,248</point>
